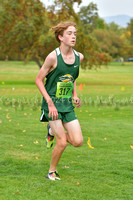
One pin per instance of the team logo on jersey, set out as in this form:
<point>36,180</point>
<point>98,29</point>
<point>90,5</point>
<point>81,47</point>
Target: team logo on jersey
<point>67,78</point>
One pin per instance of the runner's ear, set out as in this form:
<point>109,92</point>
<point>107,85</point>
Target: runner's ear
<point>60,37</point>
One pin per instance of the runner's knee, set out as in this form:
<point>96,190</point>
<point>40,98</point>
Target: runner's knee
<point>78,143</point>
<point>62,145</point>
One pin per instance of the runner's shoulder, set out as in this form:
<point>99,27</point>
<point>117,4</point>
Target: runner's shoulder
<point>81,56</point>
<point>52,56</point>
<point>50,59</point>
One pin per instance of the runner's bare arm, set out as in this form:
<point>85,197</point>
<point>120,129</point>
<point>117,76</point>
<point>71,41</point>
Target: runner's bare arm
<point>76,100</point>
<point>74,89</point>
<point>81,57</point>
<point>49,63</point>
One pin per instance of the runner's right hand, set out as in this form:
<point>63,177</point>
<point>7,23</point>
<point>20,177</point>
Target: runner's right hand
<point>52,110</point>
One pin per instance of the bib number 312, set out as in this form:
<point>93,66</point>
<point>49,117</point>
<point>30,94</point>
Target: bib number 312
<point>64,90</point>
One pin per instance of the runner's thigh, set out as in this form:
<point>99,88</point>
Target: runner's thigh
<point>74,131</point>
<point>58,129</point>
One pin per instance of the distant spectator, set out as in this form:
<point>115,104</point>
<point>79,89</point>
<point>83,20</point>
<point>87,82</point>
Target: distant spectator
<point>122,60</point>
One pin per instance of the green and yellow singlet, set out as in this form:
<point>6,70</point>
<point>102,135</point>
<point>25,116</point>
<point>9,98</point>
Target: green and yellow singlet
<point>59,83</point>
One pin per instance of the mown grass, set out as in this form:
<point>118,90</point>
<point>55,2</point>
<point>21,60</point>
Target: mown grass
<point>102,173</point>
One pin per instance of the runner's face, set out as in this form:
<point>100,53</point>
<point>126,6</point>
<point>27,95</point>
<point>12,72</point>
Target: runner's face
<point>69,36</point>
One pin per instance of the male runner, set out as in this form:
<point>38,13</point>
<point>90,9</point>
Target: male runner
<point>61,68</point>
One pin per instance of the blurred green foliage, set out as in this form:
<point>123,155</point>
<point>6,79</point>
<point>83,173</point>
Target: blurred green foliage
<point>25,35</point>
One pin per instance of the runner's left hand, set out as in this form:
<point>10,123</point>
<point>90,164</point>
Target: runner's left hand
<point>77,102</point>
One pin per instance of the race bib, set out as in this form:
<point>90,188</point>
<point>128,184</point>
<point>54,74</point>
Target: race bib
<point>64,90</point>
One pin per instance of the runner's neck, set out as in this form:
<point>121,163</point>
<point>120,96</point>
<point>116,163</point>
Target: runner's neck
<point>65,50</point>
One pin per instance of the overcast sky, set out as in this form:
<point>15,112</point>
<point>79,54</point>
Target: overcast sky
<point>107,7</point>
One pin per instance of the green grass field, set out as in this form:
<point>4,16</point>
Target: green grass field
<point>106,116</point>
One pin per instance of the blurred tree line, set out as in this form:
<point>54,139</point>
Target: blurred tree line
<point>25,35</point>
